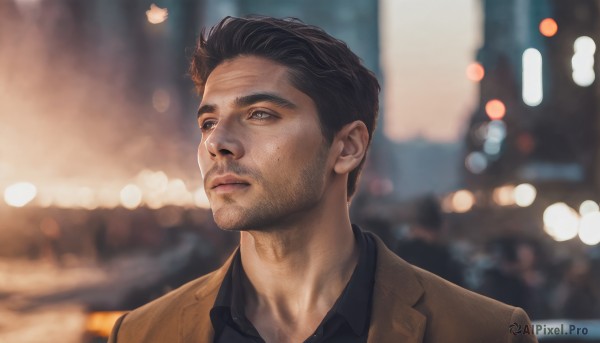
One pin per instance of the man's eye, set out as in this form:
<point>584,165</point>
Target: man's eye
<point>260,115</point>
<point>208,125</point>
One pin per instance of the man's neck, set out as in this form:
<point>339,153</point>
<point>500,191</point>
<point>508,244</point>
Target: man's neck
<point>295,274</point>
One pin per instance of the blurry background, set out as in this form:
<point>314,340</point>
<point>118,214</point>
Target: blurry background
<point>484,167</point>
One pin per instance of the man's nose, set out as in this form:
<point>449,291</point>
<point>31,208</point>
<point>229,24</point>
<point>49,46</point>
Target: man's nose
<point>223,142</point>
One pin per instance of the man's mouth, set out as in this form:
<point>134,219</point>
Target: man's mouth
<point>228,183</point>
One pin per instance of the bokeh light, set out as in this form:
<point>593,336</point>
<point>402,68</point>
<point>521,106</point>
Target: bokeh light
<point>496,130</point>
<point>462,201</point>
<point>200,198</point>
<point>548,27</point>
<point>589,228</point>
<point>475,72</point>
<point>585,45</point>
<point>525,143</point>
<point>86,198</point>
<point>584,79</point>
<point>492,147</point>
<point>588,206</point>
<point>101,323</point>
<point>476,162</point>
<point>583,61</point>
<point>561,222</point>
<point>156,15</point>
<point>161,100</point>
<point>495,109</point>
<point>533,90</point>
<point>177,193</point>
<point>108,197</point>
<point>20,194</point>
<point>504,195</point>
<point>131,196</point>
<point>525,194</point>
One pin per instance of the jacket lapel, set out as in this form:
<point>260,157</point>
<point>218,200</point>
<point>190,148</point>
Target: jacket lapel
<point>393,317</point>
<point>195,324</point>
<point>395,292</point>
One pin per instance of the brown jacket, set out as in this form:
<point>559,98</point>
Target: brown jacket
<point>409,305</point>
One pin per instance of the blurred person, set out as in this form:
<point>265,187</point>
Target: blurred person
<point>381,227</point>
<point>287,114</point>
<point>425,247</point>
<point>533,274</point>
<point>580,298</point>
<point>51,236</point>
<point>503,281</point>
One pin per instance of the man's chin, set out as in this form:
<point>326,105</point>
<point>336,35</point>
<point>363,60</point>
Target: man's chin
<point>229,219</point>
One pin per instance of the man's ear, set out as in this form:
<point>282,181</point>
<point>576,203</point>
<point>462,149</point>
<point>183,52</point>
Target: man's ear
<point>352,142</point>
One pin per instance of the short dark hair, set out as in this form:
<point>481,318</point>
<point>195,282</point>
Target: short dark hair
<point>322,67</point>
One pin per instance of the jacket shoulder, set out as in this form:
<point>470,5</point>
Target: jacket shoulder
<point>448,312</point>
<point>171,301</point>
<point>160,319</point>
<point>473,317</point>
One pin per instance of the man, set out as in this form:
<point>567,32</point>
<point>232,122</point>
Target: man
<point>287,115</point>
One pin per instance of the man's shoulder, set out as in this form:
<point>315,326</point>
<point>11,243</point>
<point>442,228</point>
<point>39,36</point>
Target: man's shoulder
<point>438,291</point>
<point>434,290</point>
<point>162,319</point>
<point>451,309</point>
<point>450,313</point>
<point>173,300</point>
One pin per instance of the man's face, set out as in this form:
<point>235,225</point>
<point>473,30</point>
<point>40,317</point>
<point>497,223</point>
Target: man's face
<point>262,155</point>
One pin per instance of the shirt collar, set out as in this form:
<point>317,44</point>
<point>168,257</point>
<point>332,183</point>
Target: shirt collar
<point>353,305</point>
<point>229,303</point>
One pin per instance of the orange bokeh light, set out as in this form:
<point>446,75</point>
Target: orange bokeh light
<point>495,109</point>
<point>475,72</point>
<point>548,27</point>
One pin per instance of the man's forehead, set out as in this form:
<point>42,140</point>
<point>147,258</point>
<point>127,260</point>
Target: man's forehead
<point>248,72</point>
<point>249,75</point>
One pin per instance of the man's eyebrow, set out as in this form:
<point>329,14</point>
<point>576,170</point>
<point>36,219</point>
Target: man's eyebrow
<point>251,99</point>
<point>206,109</point>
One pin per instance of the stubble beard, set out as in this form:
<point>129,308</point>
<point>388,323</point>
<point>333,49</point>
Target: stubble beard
<point>281,203</point>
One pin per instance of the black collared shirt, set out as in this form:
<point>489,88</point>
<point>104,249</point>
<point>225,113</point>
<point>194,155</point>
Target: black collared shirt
<point>347,321</point>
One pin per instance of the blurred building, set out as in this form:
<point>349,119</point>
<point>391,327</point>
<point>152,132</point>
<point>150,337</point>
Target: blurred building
<point>537,119</point>
<point>425,167</point>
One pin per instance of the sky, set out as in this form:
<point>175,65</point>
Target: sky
<point>426,46</point>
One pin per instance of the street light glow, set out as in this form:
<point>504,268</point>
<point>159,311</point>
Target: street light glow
<point>476,162</point>
<point>200,198</point>
<point>495,109</point>
<point>588,206</point>
<point>525,195</point>
<point>131,196</point>
<point>589,228</point>
<point>533,92</point>
<point>475,72</point>
<point>504,195</point>
<point>463,201</point>
<point>583,61</point>
<point>20,194</point>
<point>548,27</point>
<point>156,15</point>
<point>561,222</point>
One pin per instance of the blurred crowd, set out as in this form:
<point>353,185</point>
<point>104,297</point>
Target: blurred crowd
<point>520,271</point>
